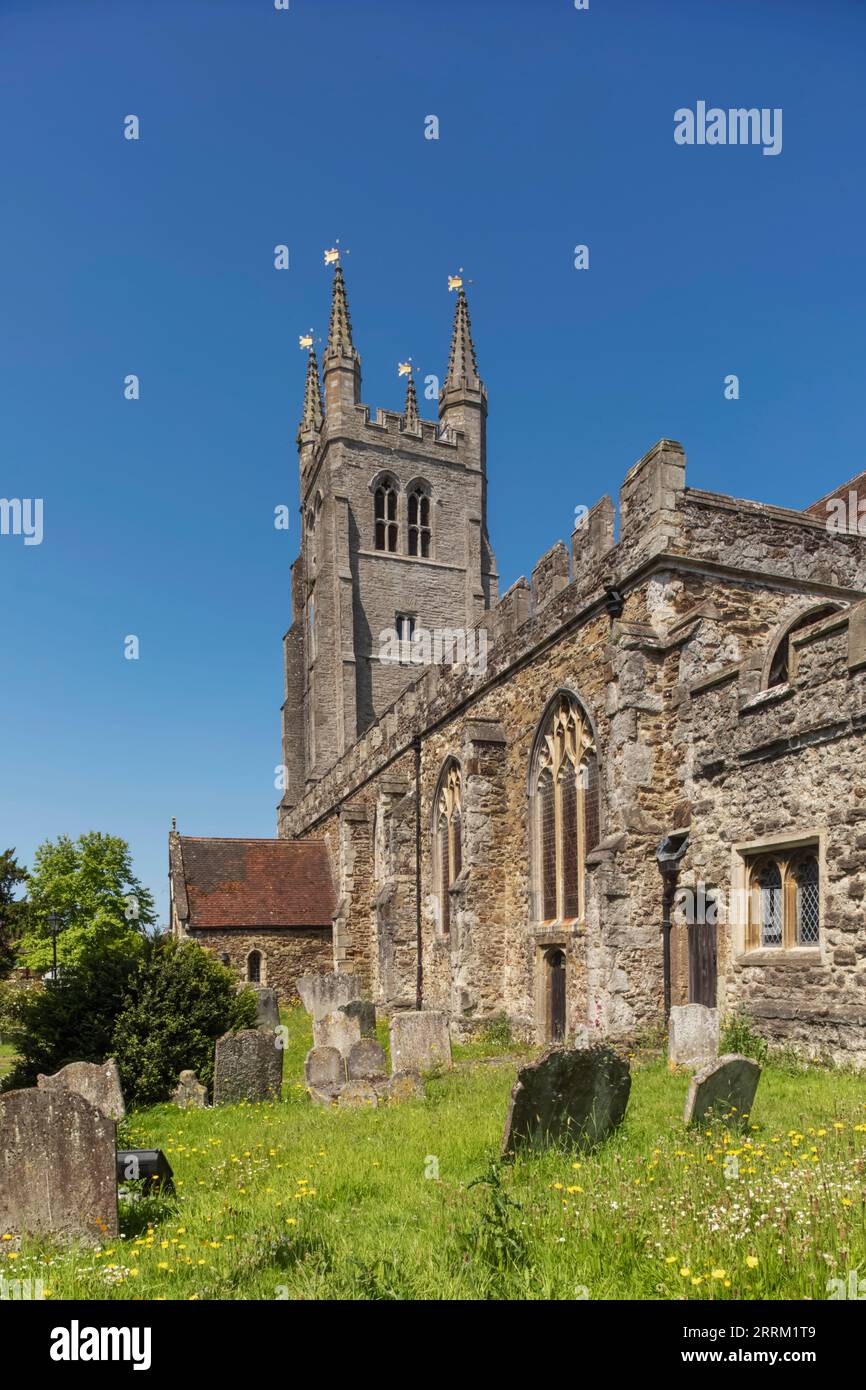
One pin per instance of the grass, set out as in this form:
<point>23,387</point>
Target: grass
<point>408,1201</point>
<point>7,1057</point>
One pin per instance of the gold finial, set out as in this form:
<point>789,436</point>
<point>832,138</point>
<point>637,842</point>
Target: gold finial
<point>455,282</point>
<point>332,256</point>
<point>306,340</point>
<point>405,368</point>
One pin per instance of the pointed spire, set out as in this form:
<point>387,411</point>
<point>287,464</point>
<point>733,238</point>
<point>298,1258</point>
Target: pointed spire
<point>340,327</point>
<point>410,410</point>
<point>312,416</point>
<point>462,367</point>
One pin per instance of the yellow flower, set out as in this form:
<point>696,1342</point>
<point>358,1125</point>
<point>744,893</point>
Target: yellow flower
<point>163,1264</point>
<point>670,1259</point>
<point>291,1221</point>
<point>752,1261</point>
<point>685,1271</point>
<point>719,1273</point>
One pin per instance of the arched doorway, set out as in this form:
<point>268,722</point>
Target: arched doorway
<point>556,1020</point>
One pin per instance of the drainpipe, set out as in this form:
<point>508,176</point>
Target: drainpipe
<point>669,854</point>
<point>419,977</point>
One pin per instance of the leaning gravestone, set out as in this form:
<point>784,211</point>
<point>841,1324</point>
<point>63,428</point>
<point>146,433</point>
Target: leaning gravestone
<point>190,1093</point>
<point>567,1098</point>
<point>345,1026</point>
<point>248,1066</point>
<point>726,1089</point>
<point>267,1008</point>
<point>324,994</point>
<point>324,1073</point>
<point>367,1061</point>
<point>693,1035</point>
<point>98,1084</point>
<point>57,1166</point>
<point>419,1041</point>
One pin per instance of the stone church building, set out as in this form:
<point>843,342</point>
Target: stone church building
<point>632,780</point>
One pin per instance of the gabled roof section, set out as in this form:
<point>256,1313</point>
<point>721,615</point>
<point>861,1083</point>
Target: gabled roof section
<point>251,883</point>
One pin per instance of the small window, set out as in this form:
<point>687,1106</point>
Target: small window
<point>807,909</point>
<point>784,901</point>
<point>419,523</point>
<point>254,968</point>
<point>385,512</point>
<point>449,838</point>
<point>780,666</point>
<point>770,882</point>
<point>311,627</point>
<point>404,624</point>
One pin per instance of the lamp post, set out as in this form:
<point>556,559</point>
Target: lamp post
<point>54,921</point>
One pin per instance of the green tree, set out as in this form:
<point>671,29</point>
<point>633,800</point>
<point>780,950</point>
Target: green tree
<point>13,910</point>
<point>72,1018</point>
<point>178,1002</point>
<point>90,885</point>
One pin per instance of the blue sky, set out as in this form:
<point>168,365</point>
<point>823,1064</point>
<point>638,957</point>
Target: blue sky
<point>261,127</point>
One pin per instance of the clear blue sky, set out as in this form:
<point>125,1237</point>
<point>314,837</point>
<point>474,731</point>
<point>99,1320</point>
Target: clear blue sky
<point>260,127</point>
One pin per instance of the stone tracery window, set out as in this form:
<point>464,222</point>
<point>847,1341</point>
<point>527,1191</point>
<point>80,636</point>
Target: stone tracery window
<point>784,901</point>
<point>449,837</point>
<point>565,788</point>
<point>420,531</point>
<point>385,516</point>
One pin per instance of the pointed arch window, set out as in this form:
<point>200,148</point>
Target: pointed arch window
<point>385,513</point>
<point>448,838</point>
<point>566,805</point>
<point>420,531</point>
<point>781,666</point>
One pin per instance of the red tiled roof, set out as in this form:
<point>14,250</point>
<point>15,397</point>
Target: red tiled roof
<point>856,485</point>
<point>252,883</point>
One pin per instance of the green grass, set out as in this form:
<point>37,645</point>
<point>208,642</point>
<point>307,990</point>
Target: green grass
<point>291,1201</point>
<point>7,1057</point>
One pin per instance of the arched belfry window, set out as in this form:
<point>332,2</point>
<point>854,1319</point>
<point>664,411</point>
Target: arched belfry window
<point>565,795</point>
<point>385,514</point>
<point>420,531</point>
<point>781,666</point>
<point>448,824</point>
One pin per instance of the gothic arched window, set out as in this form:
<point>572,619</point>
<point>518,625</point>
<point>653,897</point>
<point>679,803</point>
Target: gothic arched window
<point>565,795</point>
<point>385,513</point>
<point>448,837</point>
<point>254,968</point>
<point>780,666</point>
<point>419,522</point>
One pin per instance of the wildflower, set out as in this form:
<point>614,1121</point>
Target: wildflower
<point>752,1261</point>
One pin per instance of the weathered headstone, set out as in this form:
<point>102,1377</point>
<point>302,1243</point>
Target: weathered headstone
<point>693,1035</point>
<point>190,1093</point>
<point>324,1070</point>
<point>345,1026</point>
<point>57,1166</point>
<point>402,1085</point>
<point>726,1088</point>
<point>367,1061</point>
<point>100,1084</point>
<point>358,1094</point>
<point>569,1098</point>
<point>324,994</point>
<point>267,1008</point>
<point>420,1041</point>
<point>248,1066</point>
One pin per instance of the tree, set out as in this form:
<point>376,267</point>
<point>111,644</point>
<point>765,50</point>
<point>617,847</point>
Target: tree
<point>179,1001</point>
<point>13,911</point>
<point>90,885</point>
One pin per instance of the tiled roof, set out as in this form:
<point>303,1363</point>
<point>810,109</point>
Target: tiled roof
<point>856,484</point>
<point>252,883</point>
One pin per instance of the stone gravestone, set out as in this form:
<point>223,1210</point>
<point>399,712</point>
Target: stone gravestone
<point>693,1035</point>
<point>726,1088</point>
<point>367,1061</point>
<point>324,1073</point>
<point>190,1093</point>
<point>573,1098</point>
<point>419,1041</point>
<point>98,1084</point>
<point>345,1026</point>
<point>57,1168</point>
<point>324,994</point>
<point>248,1066</point>
<point>358,1093</point>
<point>267,1008</point>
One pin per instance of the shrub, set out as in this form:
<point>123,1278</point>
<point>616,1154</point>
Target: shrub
<point>178,1002</point>
<point>70,1019</point>
<point>738,1035</point>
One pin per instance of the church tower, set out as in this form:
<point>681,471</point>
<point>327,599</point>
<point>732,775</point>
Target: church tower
<point>394,540</point>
